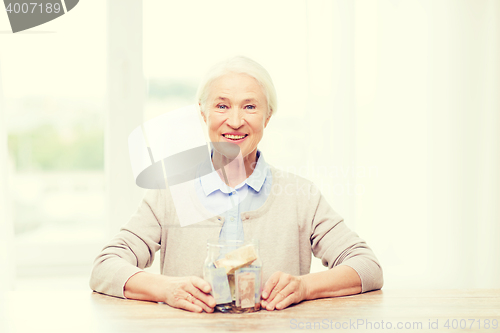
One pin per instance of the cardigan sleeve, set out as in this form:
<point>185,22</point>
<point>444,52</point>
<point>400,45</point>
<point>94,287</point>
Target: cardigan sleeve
<point>131,250</point>
<point>335,244</point>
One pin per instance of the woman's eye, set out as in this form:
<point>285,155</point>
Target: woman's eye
<point>221,106</point>
<point>250,107</point>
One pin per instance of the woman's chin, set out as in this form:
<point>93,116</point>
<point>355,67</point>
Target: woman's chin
<point>228,149</point>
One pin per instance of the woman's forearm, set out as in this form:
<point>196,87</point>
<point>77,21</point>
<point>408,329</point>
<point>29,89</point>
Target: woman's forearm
<point>146,286</point>
<point>190,293</point>
<point>338,281</point>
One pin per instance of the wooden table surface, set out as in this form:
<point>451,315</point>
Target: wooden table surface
<point>384,310</point>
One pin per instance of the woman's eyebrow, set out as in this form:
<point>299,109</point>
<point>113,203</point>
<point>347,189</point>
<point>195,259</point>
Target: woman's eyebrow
<point>246,100</point>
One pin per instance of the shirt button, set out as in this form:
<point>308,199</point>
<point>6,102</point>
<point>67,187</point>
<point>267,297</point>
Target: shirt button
<point>232,219</point>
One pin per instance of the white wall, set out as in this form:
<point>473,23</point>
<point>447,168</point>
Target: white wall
<point>427,104</point>
<point>6,233</point>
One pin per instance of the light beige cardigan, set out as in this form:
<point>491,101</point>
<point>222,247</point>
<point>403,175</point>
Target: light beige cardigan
<point>294,221</point>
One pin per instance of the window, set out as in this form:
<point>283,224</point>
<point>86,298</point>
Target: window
<point>54,93</point>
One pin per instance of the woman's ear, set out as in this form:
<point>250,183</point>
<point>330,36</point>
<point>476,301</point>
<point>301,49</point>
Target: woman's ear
<point>267,121</point>
<point>202,114</point>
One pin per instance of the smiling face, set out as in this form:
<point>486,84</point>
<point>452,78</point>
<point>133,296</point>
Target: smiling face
<point>236,111</point>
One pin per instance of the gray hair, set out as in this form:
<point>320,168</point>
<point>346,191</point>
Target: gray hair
<point>244,65</point>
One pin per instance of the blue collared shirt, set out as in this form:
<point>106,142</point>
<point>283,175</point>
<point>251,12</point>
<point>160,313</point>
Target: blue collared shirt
<point>251,194</point>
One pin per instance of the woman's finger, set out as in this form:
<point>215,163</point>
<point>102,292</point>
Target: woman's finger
<point>284,280</point>
<point>207,299</point>
<point>201,284</point>
<point>270,284</point>
<point>289,300</point>
<point>184,304</point>
<point>283,297</point>
<point>201,304</point>
<point>207,302</point>
<point>183,293</point>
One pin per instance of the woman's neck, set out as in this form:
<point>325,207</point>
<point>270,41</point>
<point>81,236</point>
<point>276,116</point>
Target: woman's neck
<point>250,162</point>
<point>234,172</point>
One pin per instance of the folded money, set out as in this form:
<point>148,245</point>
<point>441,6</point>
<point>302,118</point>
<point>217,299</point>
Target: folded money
<point>238,258</point>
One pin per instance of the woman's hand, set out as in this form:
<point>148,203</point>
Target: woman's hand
<point>282,290</point>
<point>189,293</point>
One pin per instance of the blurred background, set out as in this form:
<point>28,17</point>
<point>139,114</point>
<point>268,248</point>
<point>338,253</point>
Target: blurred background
<point>391,107</point>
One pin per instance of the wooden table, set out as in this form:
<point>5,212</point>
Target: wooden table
<point>80,311</point>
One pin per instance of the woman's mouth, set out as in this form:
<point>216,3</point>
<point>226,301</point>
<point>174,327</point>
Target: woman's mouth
<point>234,137</point>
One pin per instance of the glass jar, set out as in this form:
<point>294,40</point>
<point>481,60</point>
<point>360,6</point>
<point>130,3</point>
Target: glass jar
<point>234,270</point>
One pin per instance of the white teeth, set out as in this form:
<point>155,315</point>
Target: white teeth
<point>234,137</point>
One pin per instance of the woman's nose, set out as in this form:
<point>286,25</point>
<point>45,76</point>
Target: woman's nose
<point>235,119</point>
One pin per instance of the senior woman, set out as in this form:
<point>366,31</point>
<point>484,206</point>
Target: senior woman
<point>285,212</point>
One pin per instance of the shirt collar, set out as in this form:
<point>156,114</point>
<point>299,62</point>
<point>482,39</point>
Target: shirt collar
<point>212,182</point>
<point>259,174</point>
